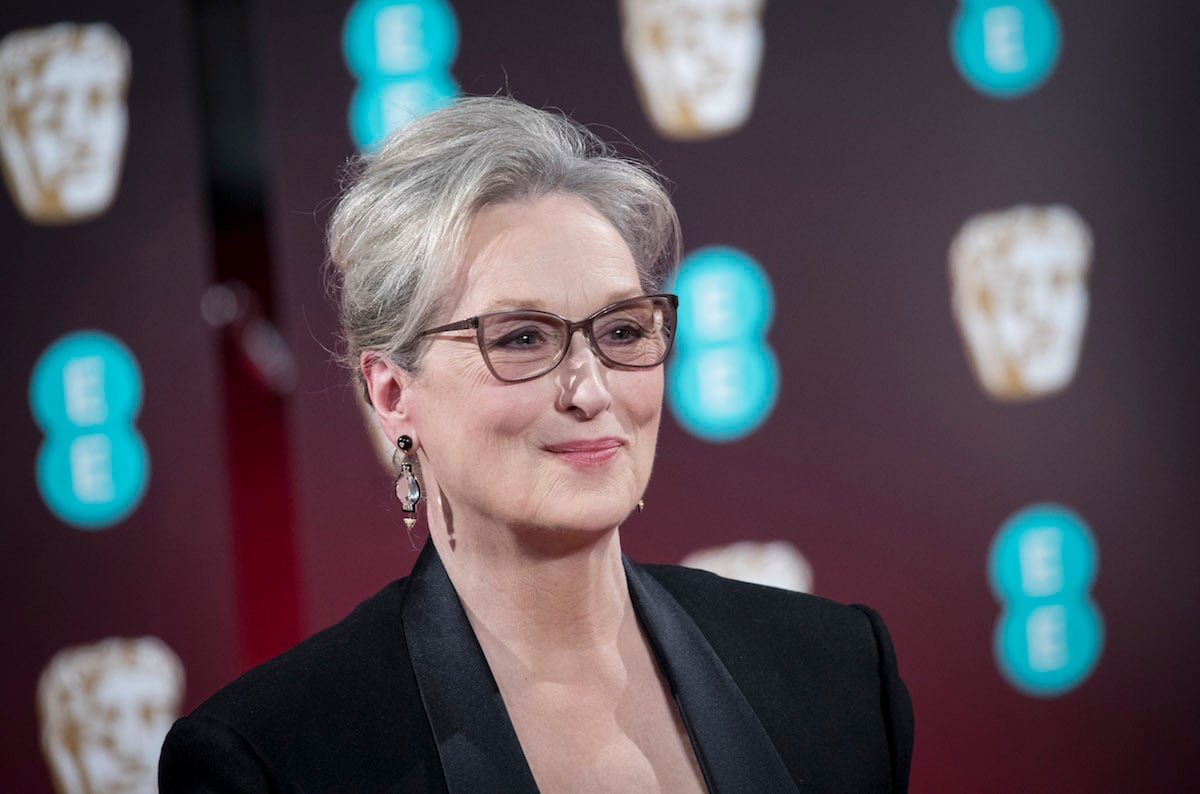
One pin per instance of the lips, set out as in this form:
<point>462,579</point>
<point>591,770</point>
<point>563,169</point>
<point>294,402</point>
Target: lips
<point>586,452</point>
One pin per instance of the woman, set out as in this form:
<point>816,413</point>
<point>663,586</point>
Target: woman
<point>502,301</point>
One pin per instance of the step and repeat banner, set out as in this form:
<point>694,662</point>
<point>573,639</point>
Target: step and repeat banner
<point>937,345</point>
<point>118,607</point>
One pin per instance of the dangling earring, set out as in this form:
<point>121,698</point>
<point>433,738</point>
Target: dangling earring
<point>412,488</point>
<point>641,505</point>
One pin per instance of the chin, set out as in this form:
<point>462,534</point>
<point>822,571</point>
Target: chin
<point>587,513</point>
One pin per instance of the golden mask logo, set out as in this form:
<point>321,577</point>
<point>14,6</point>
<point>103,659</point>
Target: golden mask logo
<point>695,62</point>
<point>1018,281</point>
<point>63,119</point>
<point>776,564</point>
<point>105,710</point>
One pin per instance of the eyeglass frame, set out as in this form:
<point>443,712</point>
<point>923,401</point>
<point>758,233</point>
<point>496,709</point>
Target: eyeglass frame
<point>584,325</point>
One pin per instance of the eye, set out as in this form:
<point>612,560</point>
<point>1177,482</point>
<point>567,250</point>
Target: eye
<point>620,331</point>
<point>527,337</point>
<point>625,333</point>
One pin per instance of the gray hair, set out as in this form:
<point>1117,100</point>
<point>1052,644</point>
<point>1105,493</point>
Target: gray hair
<point>395,237</point>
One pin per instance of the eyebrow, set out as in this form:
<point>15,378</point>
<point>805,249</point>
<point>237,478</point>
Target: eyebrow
<point>539,305</point>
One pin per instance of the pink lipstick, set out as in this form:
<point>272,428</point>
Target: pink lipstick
<point>587,452</point>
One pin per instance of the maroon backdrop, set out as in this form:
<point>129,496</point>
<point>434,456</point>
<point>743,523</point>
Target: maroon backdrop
<point>136,272</point>
<point>883,462</point>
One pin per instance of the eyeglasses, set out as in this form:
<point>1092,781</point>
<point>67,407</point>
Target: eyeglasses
<point>526,344</point>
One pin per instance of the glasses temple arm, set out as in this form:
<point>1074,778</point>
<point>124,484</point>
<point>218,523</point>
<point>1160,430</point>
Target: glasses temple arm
<point>461,325</point>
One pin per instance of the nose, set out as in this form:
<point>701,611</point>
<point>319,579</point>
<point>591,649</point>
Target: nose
<point>582,378</point>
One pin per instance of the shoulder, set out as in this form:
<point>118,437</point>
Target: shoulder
<point>821,676</point>
<point>335,663</point>
<point>768,615</point>
<point>343,700</point>
<point>769,637</point>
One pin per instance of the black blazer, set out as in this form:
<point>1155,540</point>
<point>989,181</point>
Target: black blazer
<point>779,691</point>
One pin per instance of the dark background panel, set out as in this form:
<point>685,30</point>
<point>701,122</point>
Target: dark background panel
<point>883,462</point>
<point>136,272</point>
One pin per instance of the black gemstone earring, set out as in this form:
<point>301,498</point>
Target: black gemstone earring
<point>411,493</point>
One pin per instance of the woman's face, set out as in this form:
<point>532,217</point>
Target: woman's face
<point>571,450</point>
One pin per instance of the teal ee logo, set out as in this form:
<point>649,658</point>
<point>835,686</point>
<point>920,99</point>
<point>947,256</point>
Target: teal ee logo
<point>85,393</point>
<point>1005,48</point>
<point>723,380</point>
<point>401,52</point>
<point>1050,634</point>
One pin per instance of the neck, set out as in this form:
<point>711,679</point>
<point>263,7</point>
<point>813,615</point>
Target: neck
<point>535,591</point>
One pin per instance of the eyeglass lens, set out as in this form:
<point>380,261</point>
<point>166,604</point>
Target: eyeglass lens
<point>524,344</point>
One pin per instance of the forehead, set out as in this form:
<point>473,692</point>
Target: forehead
<point>556,252</point>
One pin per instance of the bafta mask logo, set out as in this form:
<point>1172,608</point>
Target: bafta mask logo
<point>1018,281</point>
<point>695,62</point>
<point>63,119</point>
<point>105,710</point>
<point>775,564</point>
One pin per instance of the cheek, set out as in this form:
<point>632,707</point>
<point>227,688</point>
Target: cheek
<point>508,413</point>
<point>474,414</point>
<point>641,397</point>
<point>444,407</point>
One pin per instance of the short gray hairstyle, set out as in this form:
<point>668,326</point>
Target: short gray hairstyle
<point>395,237</point>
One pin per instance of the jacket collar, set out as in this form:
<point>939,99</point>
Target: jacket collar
<point>733,748</point>
<point>476,742</point>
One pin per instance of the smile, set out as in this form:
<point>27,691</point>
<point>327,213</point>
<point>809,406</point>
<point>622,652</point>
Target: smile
<point>587,453</point>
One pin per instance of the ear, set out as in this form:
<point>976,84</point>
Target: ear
<point>388,386</point>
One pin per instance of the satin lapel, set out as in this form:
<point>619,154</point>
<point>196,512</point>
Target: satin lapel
<point>478,747</point>
<point>733,748</point>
